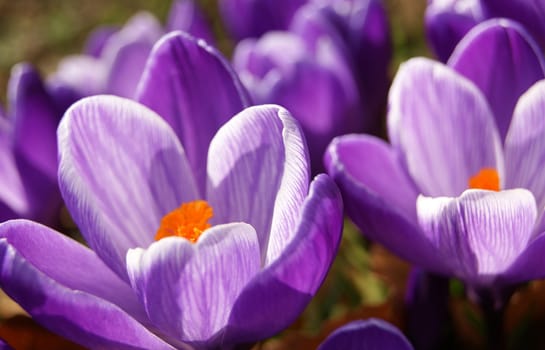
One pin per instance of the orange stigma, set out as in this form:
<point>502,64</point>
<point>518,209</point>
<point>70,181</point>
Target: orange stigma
<point>485,179</point>
<point>189,221</point>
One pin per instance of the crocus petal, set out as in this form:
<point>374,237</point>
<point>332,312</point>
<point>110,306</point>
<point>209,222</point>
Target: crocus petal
<point>258,173</point>
<point>54,255</point>
<point>35,120</point>
<point>63,95</point>
<point>142,27</point>
<point>370,32</point>
<point>189,289</point>
<point>355,27</point>
<point>371,334</point>
<point>85,74</point>
<point>318,101</point>
<point>126,69</point>
<point>525,145</point>
<point>252,18</point>
<point>273,50</point>
<point>529,13</point>
<point>530,265</point>
<point>369,162</point>
<point>125,53</point>
<point>481,232</point>
<point>444,129</point>
<point>503,61</point>
<point>365,170</point>
<point>41,194</point>
<point>121,170</point>
<point>291,281</point>
<point>97,40</point>
<point>447,21</point>
<point>12,197</point>
<point>39,273</point>
<point>185,15</point>
<point>181,75</point>
<point>322,39</point>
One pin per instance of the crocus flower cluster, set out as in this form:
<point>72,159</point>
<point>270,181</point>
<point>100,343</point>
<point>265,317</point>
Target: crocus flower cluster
<point>459,184</point>
<point>447,21</point>
<point>320,70</point>
<point>196,185</point>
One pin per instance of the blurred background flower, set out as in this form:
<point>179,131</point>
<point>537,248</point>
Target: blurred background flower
<point>447,21</point>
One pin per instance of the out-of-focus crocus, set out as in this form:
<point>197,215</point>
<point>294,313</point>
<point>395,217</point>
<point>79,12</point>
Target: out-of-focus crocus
<point>253,18</point>
<point>281,68</point>
<point>449,193</point>
<point>114,59</point>
<point>133,182</point>
<point>363,36</point>
<point>447,21</point>
<point>312,71</point>
<point>28,148</point>
<point>501,58</point>
<point>371,334</point>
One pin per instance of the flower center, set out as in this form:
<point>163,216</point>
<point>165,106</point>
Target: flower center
<point>485,179</point>
<point>189,221</point>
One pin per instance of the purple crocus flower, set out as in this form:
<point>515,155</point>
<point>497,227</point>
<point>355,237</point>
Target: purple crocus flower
<point>253,18</point>
<point>371,334</point>
<point>447,21</point>
<point>264,238</point>
<point>311,70</point>
<point>414,195</point>
<point>123,174</point>
<point>28,148</point>
<point>114,59</point>
<point>362,34</point>
<point>316,85</point>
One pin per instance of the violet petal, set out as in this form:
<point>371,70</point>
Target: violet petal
<point>481,233</point>
<point>181,75</point>
<point>92,309</point>
<point>503,61</point>
<point>189,289</point>
<point>290,282</point>
<point>122,169</point>
<point>443,129</point>
<point>258,173</point>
